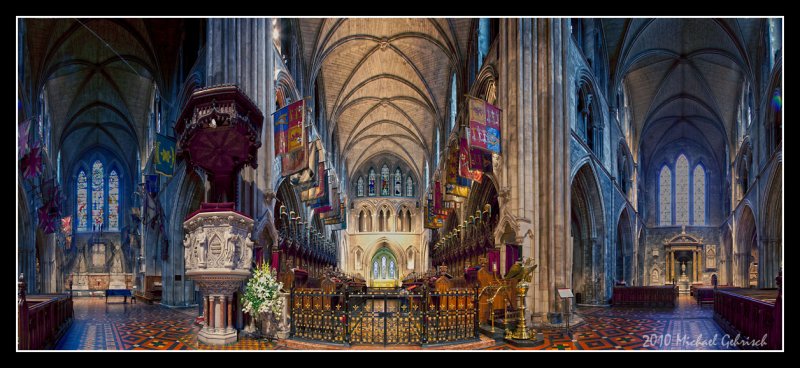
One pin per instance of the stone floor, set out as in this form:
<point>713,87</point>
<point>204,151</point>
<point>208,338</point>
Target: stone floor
<point>118,326</point>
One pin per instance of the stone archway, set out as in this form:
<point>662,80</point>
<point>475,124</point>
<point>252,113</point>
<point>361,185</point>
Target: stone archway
<point>772,239</point>
<point>746,252</point>
<point>383,268</point>
<point>624,249</point>
<point>588,234</point>
<point>381,244</point>
<point>725,257</point>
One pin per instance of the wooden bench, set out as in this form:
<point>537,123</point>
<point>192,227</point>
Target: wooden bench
<point>152,290</point>
<point>644,296</point>
<point>753,313</point>
<point>43,319</point>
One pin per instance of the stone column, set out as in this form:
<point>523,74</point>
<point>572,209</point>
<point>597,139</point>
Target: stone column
<point>225,312</point>
<point>205,311</point>
<point>229,326</point>
<point>668,270</point>
<point>671,267</point>
<point>694,266</point>
<point>212,322</point>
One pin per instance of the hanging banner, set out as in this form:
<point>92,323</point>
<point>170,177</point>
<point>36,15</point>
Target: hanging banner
<point>437,197</point>
<point>31,163</point>
<point>339,222</point>
<point>66,230</point>
<point>308,177</point>
<point>454,183</point>
<point>24,129</point>
<point>293,162</point>
<point>47,221</point>
<point>480,160</point>
<point>66,225</point>
<point>281,128</point>
<point>464,162</point>
<point>151,183</point>
<point>164,155</point>
<point>314,191</point>
<point>296,134</point>
<point>484,125</point>
<point>331,211</point>
<point>324,199</point>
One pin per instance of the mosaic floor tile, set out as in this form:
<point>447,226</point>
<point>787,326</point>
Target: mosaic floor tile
<point>100,326</point>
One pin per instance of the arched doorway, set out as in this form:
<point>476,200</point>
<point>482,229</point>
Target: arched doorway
<point>746,250</point>
<point>772,238</point>
<point>383,268</point>
<point>587,238</point>
<point>726,257</point>
<point>624,249</point>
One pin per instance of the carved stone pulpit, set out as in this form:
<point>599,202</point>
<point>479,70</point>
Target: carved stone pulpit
<point>219,132</point>
<point>218,253</point>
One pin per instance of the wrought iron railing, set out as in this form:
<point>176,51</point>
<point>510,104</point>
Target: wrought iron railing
<point>385,316</point>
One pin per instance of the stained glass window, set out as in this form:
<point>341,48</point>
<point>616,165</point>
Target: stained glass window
<point>385,180</point>
<point>383,267</point>
<point>409,187</point>
<point>391,269</point>
<point>483,40</point>
<point>82,201</point>
<point>113,201</point>
<point>453,99</point>
<point>665,196</point>
<point>360,186</point>
<point>398,183</point>
<point>438,146</point>
<point>699,195</point>
<point>375,273</point>
<point>682,191</point>
<point>97,195</point>
<point>371,182</point>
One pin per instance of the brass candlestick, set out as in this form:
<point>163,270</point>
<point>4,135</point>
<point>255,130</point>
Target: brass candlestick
<point>522,330</point>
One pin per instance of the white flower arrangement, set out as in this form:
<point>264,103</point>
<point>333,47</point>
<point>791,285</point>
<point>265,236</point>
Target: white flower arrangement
<point>262,293</point>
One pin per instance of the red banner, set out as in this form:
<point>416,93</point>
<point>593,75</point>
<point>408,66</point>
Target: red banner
<point>289,128</point>
<point>480,160</point>
<point>464,162</point>
<point>484,125</point>
<point>296,138</point>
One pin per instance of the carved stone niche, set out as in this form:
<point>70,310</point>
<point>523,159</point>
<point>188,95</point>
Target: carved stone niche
<point>218,253</point>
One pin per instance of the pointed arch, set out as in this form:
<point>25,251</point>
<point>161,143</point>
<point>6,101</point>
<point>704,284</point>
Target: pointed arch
<point>746,251</point>
<point>82,201</point>
<point>371,182</point>
<point>588,233</point>
<point>397,188</point>
<point>682,190</point>
<point>699,195</point>
<point>665,196</point>
<point>624,248</point>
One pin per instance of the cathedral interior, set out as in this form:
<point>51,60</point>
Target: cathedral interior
<point>399,183</point>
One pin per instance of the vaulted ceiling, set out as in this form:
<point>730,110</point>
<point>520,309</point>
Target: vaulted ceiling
<point>98,76</point>
<point>683,78</point>
<point>385,82</point>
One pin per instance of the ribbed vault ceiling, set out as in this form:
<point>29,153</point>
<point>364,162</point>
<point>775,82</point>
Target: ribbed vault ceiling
<point>98,75</point>
<point>683,77</point>
<point>385,81</point>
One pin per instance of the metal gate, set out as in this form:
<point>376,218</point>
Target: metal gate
<point>385,316</point>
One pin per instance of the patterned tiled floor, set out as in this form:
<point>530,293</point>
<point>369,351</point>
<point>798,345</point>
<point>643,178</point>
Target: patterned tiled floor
<point>688,326</point>
<point>101,326</point>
